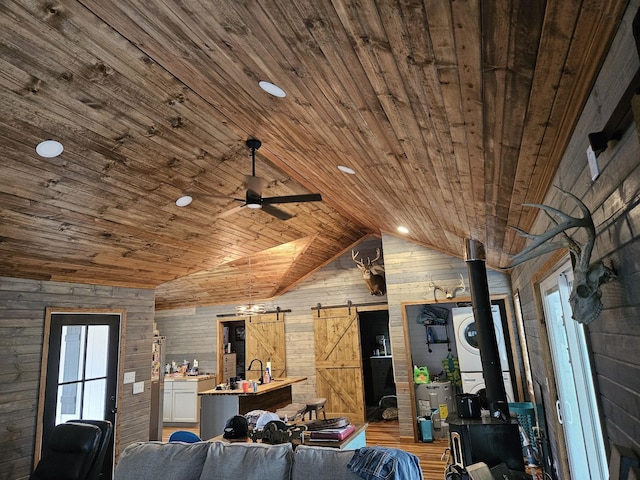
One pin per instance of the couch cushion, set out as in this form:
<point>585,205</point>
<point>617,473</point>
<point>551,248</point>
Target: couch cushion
<point>153,460</point>
<point>250,461</point>
<point>317,463</point>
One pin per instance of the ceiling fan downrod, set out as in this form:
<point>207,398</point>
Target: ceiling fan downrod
<point>253,144</point>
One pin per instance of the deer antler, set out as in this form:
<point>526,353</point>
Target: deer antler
<point>539,246</point>
<point>462,287</point>
<point>360,263</point>
<point>448,294</point>
<point>585,294</point>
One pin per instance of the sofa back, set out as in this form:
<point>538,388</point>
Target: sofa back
<point>204,460</point>
<point>232,461</point>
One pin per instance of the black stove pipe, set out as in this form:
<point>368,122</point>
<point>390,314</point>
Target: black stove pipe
<point>492,370</point>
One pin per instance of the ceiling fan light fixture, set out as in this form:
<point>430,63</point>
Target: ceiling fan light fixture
<point>49,149</point>
<point>272,89</point>
<point>184,201</point>
<point>254,205</point>
<point>346,169</point>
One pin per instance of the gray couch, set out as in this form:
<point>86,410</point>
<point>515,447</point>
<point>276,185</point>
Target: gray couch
<point>232,461</point>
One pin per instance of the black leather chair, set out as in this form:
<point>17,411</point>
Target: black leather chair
<point>69,453</point>
<point>95,471</point>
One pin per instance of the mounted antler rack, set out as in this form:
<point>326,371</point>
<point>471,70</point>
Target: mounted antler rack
<point>586,293</point>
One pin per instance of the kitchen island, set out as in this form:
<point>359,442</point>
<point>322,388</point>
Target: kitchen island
<point>218,406</point>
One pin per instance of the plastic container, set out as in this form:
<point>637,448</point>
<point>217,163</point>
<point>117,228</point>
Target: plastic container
<point>525,412</point>
<point>425,429</point>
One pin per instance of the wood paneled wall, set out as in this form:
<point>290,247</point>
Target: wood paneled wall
<point>194,330</point>
<point>409,268</point>
<point>22,315</point>
<point>613,199</point>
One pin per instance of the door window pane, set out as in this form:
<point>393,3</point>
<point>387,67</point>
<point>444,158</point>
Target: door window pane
<point>94,398</point>
<point>71,353</point>
<point>97,351</point>
<point>68,405</point>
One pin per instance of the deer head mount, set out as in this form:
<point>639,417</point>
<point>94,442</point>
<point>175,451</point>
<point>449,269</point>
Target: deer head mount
<point>586,293</point>
<point>372,273</point>
<point>447,292</point>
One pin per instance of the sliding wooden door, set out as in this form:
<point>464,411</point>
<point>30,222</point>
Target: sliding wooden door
<point>339,362</point>
<point>265,340</point>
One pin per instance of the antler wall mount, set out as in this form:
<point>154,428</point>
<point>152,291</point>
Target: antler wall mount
<point>586,292</point>
<point>449,292</point>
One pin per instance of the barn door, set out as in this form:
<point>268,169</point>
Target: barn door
<point>264,339</point>
<point>339,362</point>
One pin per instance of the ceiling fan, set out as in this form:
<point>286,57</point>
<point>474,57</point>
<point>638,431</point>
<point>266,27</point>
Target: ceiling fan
<point>254,199</point>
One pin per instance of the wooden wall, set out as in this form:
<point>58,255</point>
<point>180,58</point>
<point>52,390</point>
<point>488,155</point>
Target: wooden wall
<point>613,198</point>
<point>22,315</point>
<point>193,331</point>
<point>409,268</point>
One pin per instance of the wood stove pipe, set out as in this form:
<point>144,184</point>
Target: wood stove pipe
<point>492,370</point>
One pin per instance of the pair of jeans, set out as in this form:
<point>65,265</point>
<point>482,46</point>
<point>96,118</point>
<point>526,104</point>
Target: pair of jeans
<point>385,463</point>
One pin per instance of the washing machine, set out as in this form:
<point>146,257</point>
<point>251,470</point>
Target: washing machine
<point>466,337</point>
<point>473,382</point>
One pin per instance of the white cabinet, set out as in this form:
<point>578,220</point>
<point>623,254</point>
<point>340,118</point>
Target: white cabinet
<point>181,401</point>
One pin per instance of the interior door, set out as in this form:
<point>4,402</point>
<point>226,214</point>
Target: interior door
<point>264,339</point>
<point>577,407</point>
<point>339,362</point>
<point>81,372</point>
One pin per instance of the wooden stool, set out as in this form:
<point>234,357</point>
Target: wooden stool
<point>315,405</point>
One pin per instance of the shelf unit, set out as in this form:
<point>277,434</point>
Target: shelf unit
<point>435,332</point>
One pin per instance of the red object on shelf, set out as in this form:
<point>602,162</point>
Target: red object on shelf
<point>333,433</point>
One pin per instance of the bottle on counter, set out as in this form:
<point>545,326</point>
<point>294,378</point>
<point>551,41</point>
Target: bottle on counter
<point>267,376</point>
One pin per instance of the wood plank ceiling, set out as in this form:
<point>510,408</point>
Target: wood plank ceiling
<point>451,113</point>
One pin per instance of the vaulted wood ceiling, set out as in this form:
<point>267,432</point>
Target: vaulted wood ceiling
<point>451,113</point>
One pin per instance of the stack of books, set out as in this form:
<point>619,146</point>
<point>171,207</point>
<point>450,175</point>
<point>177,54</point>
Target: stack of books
<point>332,434</point>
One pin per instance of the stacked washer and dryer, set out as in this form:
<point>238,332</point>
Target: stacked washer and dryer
<point>469,354</point>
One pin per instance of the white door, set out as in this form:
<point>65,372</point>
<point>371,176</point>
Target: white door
<point>576,406</point>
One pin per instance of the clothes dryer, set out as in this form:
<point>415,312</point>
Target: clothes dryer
<point>466,337</point>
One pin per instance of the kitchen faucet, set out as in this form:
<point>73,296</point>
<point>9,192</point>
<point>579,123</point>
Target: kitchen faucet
<point>261,379</point>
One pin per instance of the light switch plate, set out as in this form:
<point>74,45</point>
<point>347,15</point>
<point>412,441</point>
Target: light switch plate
<point>138,387</point>
<point>593,163</point>
<point>129,377</point>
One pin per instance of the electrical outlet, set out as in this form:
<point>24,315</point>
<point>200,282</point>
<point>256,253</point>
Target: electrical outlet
<point>138,387</point>
<point>129,377</point>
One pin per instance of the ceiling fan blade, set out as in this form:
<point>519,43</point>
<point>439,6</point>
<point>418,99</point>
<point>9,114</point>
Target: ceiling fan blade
<point>276,212</point>
<point>255,184</point>
<point>311,197</point>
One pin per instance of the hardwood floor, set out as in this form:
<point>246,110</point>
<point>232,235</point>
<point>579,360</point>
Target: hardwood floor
<point>385,433</point>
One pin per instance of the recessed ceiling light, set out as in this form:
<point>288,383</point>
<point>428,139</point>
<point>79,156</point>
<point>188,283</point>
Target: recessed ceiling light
<point>184,201</point>
<point>404,230</point>
<point>272,89</point>
<point>49,149</point>
<point>348,170</point>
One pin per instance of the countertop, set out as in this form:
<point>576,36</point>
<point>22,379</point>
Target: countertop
<point>274,384</point>
<point>187,378</point>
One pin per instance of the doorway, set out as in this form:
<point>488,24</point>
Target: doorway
<point>377,360</point>
<point>80,370</point>
<point>576,406</point>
